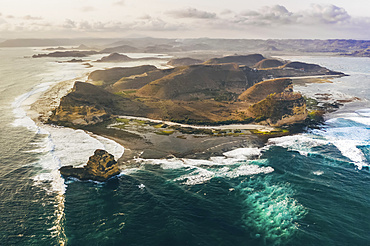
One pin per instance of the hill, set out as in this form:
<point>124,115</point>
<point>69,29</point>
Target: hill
<point>112,75</point>
<point>67,54</point>
<point>115,57</point>
<point>89,104</point>
<point>120,49</point>
<point>246,60</point>
<point>262,89</point>
<point>186,61</point>
<point>139,80</point>
<point>197,81</point>
<point>268,63</point>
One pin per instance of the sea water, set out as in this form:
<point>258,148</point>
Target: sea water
<point>306,189</point>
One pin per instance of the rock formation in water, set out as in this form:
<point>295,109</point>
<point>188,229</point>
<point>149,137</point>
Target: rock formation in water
<point>100,167</point>
<point>67,54</point>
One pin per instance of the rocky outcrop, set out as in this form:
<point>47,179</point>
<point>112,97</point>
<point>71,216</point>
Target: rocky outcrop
<point>262,89</point>
<point>268,63</point>
<point>67,54</point>
<point>87,104</point>
<point>280,109</point>
<point>100,167</point>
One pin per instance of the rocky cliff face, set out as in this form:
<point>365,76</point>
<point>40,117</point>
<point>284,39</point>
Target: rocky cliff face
<point>100,167</point>
<point>281,109</point>
<point>88,104</point>
<point>262,89</point>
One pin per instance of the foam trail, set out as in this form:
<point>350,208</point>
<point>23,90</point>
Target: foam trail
<point>270,210</point>
<point>233,164</point>
<point>346,135</point>
<point>303,143</point>
<point>18,108</point>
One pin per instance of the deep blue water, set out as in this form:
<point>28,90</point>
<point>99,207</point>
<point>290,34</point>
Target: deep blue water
<point>307,189</point>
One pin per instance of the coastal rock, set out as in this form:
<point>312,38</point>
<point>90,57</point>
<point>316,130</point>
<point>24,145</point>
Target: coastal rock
<point>262,89</point>
<point>100,167</point>
<point>280,109</point>
<point>67,54</point>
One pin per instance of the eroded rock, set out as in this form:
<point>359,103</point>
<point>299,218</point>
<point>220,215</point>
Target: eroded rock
<point>100,167</point>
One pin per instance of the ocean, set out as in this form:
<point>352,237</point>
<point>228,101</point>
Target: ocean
<point>306,189</point>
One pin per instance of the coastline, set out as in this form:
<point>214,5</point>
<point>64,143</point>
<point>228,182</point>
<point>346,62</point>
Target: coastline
<point>154,146</point>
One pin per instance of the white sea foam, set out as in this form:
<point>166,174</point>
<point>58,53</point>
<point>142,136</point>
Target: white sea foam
<point>232,165</point>
<point>303,143</point>
<point>318,173</point>
<point>243,153</point>
<point>346,137</point>
<point>270,211</point>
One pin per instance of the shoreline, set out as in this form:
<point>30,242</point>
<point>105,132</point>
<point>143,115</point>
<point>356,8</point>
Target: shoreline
<point>154,146</point>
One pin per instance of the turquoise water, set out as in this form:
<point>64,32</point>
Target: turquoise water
<point>307,189</point>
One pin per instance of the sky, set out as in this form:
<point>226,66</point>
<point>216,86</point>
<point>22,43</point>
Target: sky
<point>257,19</point>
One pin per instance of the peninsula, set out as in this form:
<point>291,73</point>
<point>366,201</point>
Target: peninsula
<point>232,90</point>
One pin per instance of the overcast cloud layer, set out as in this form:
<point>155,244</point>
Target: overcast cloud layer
<point>143,18</point>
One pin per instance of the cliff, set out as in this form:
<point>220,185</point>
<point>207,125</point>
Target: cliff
<point>262,89</point>
<point>100,167</point>
<point>281,109</point>
<point>87,104</point>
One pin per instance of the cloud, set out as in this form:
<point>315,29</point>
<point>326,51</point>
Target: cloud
<point>278,15</point>
<point>119,3</point>
<point>147,23</point>
<point>69,24</point>
<point>326,14</point>
<point>191,13</point>
<point>87,9</point>
<point>226,12</point>
<point>268,15</point>
<point>29,17</point>
<point>145,17</point>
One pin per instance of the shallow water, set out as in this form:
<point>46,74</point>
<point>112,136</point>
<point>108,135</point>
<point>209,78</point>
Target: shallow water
<point>307,189</point>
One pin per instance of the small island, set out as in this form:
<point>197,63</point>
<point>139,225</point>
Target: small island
<point>100,167</point>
